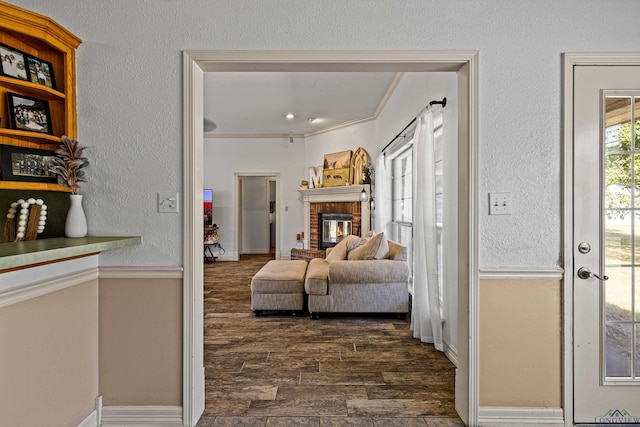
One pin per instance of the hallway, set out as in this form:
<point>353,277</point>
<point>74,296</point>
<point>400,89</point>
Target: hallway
<point>280,370</point>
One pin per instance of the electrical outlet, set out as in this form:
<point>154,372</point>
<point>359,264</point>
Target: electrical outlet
<point>168,203</point>
<point>500,204</point>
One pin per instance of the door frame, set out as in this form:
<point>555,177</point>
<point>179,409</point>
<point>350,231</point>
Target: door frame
<point>465,63</point>
<point>571,60</point>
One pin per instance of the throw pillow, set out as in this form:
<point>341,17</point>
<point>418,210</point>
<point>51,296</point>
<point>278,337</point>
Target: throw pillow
<point>339,251</point>
<point>376,248</point>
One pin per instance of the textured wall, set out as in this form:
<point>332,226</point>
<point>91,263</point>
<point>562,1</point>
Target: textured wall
<point>130,87</point>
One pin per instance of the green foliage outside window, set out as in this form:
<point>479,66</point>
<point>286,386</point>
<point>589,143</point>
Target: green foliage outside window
<point>618,180</point>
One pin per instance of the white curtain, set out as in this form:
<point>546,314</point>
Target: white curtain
<point>383,202</point>
<point>426,322</point>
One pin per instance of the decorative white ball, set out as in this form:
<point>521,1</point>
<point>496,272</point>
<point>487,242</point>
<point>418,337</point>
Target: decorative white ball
<point>31,200</point>
<point>14,204</point>
<point>13,210</point>
<point>11,216</point>
<point>20,201</point>
<point>23,216</point>
<point>42,223</point>
<point>20,235</point>
<point>44,208</point>
<point>39,202</point>
<point>22,223</point>
<point>24,211</point>
<point>25,205</point>
<point>43,217</point>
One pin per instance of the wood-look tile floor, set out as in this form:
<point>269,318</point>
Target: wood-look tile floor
<point>280,370</point>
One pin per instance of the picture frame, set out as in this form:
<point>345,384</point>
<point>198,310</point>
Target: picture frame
<point>13,63</point>
<point>26,164</point>
<point>29,114</point>
<point>40,71</point>
<point>336,169</point>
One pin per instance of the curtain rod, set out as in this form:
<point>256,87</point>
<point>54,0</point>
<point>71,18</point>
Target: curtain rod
<point>443,103</point>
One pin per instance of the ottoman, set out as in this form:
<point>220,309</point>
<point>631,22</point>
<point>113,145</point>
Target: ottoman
<point>279,285</point>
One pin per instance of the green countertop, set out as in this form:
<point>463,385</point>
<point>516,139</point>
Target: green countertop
<point>33,252</point>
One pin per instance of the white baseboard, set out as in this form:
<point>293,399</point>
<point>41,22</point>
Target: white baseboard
<point>256,251</point>
<point>451,352</point>
<point>512,417</point>
<point>90,421</point>
<point>142,416</point>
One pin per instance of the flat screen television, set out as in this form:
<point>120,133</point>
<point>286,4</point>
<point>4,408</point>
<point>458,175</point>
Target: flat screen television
<point>208,207</point>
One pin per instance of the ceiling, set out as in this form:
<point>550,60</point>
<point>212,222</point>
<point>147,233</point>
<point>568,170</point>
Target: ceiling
<point>254,104</point>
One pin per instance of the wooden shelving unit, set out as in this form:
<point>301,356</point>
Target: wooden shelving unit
<point>45,39</point>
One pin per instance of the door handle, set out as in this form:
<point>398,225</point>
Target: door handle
<point>585,273</point>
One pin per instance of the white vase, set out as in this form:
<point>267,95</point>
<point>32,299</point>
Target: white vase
<point>76,224</point>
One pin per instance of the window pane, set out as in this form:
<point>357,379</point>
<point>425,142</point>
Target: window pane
<point>617,237</point>
<point>618,120</point>
<point>617,291</point>
<point>618,181</point>
<point>637,350</point>
<point>618,350</point>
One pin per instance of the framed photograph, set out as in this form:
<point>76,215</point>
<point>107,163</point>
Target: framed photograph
<point>29,114</point>
<point>40,71</point>
<point>13,63</point>
<point>26,164</point>
<point>336,169</point>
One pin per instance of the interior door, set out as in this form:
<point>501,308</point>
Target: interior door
<point>606,276</point>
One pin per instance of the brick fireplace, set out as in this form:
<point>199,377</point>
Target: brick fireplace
<point>334,200</point>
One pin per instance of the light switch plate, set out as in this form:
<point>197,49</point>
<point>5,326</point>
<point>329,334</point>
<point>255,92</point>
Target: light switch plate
<point>500,204</point>
<point>168,202</point>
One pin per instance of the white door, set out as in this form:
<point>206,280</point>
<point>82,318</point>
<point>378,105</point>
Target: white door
<point>606,158</point>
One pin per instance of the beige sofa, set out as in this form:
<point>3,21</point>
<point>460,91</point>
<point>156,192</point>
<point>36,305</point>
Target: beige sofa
<point>359,276</point>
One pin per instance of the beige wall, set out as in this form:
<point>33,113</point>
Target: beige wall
<point>520,343</point>
<point>49,358</point>
<point>141,341</point>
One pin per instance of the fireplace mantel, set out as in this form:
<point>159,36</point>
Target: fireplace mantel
<point>349,193</point>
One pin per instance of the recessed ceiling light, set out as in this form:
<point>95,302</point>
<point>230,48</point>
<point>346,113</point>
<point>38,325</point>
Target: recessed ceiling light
<point>289,115</point>
<point>312,119</point>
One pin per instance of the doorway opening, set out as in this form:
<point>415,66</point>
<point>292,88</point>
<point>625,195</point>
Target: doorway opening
<point>256,217</point>
<point>464,63</point>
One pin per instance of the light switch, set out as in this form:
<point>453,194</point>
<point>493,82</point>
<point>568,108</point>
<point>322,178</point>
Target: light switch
<point>168,203</point>
<point>500,204</point>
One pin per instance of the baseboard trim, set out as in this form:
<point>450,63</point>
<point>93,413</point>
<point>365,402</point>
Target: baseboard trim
<point>151,272</point>
<point>47,286</point>
<point>511,416</point>
<point>451,352</point>
<point>90,421</point>
<point>556,273</point>
<point>142,416</point>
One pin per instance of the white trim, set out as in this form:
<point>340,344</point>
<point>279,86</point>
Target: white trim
<point>570,60</point>
<point>151,272</point>
<point>90,421</point>
<point>142,416</point>
<point>47,286</point>
<point>450,351</point>
<point>193,235</point>
<point>497,415</point>
<point>464,63</point>
<point>556,273</point>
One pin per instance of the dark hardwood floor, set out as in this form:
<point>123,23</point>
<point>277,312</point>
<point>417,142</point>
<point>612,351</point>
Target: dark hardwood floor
<point>280,370</point>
